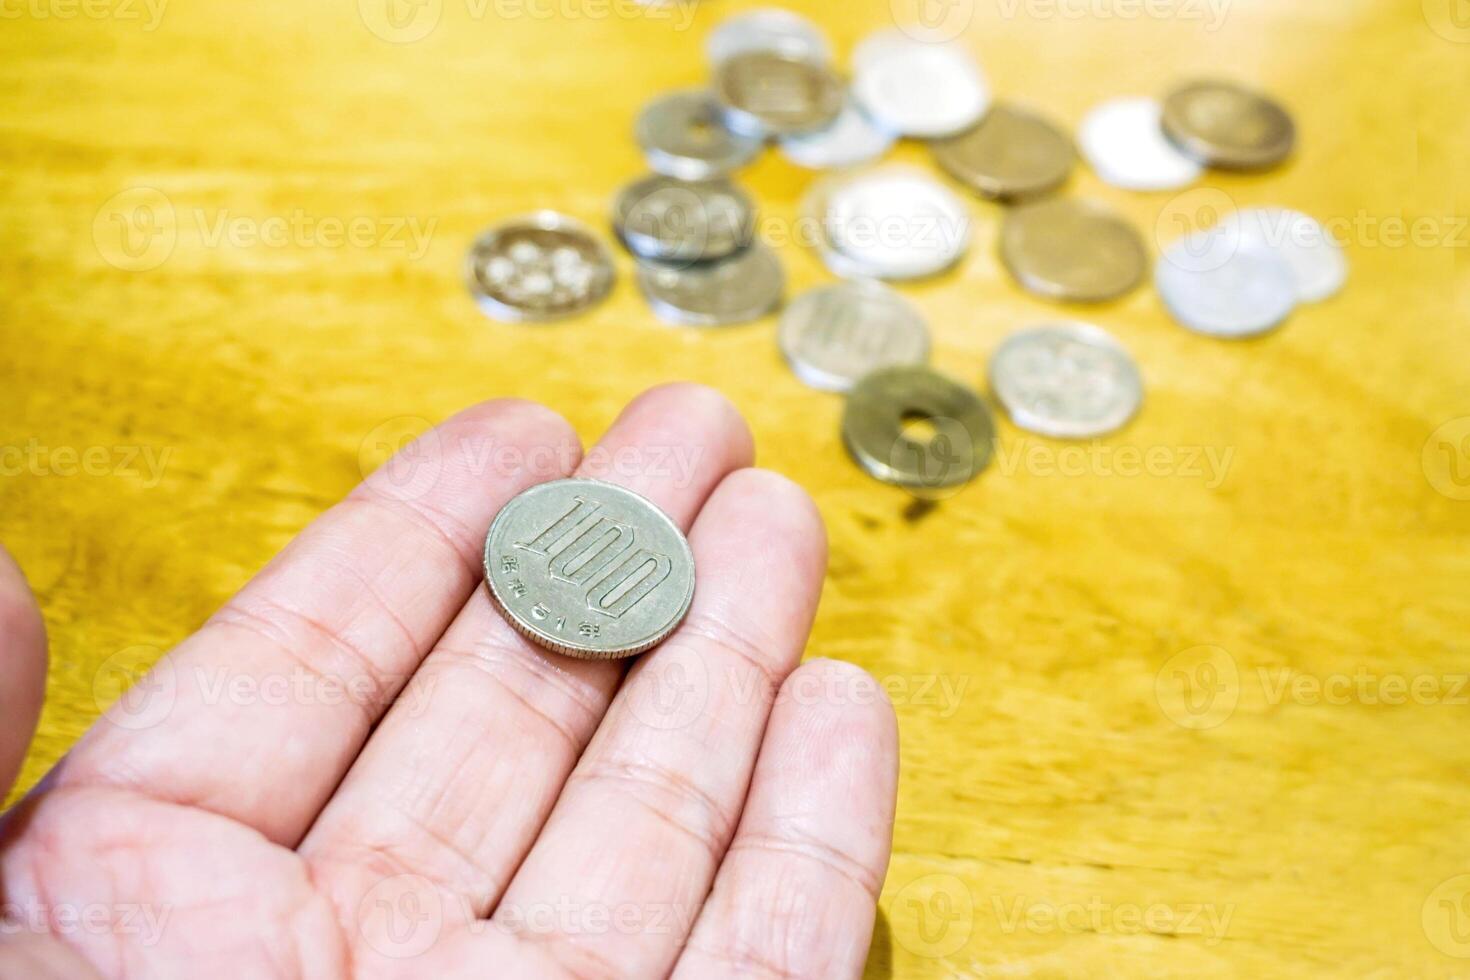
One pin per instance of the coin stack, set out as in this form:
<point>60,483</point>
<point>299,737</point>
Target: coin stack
<point>691,230</point>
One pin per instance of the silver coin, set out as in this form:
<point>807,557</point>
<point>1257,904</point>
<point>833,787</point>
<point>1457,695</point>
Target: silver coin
<point>588,569</point>
<point>1225,286</point>
<point>684,135</point>
<point>892,222</point>
<point>917,88</point>
<point>669,220</point>
<point>743,287</point>
<point>833,336</point>
<point>852,139</point>
<point>1066,380</point>
<point>1317,262</point>
<point>1124,143</point>
<point>767,93</point>
<point>541,267</point>
<point>767,29</point>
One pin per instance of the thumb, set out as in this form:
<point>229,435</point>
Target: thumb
<point>22,669</point>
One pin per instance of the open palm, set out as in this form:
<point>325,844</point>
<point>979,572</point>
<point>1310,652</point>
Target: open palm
<point>357,768</point>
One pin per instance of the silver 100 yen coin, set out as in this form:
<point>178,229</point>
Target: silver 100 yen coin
<point>589,569</point>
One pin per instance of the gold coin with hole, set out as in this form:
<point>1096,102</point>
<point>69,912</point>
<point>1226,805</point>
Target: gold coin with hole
<point>915,428</point>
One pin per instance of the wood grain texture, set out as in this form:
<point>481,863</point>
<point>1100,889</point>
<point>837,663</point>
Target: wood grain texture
<point>1036,629</point>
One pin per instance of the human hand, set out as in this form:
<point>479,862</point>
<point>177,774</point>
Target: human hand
<point>434,796</point>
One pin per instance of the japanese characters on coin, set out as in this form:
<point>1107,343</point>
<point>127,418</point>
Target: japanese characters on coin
<point>588,569</point>
<point>833,336</point>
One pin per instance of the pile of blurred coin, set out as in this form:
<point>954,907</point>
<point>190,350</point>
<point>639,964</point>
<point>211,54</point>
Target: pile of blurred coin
<point>773,80</point>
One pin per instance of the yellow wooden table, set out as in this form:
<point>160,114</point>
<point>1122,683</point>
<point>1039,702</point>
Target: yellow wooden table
<point>1188,701</point>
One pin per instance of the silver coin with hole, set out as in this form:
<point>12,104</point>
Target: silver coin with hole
<point>588,569</point>
<point>834,335</point>
<point>684,135</point>
<point>664,219</point>
<point>541,267</point>
<point>1066,380</point>
<point>743,287</point>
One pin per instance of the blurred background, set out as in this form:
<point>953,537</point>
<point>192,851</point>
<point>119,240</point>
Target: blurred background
<point>1147,717</point>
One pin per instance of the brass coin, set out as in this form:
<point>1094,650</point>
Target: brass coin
<point>767,93</point>
<point>1009,155</point>
<point>886,407</point>
<point>1221,124</point>
<point>1071,249</point>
